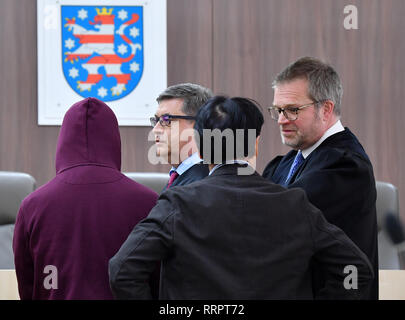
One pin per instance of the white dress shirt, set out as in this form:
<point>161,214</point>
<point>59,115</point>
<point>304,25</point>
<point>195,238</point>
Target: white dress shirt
<point>337,127</point>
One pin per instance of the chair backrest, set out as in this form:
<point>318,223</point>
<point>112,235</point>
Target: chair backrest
<point>14,187</point>
<point>9,285</point>
<point>387,202</point>
<point>153,180</point>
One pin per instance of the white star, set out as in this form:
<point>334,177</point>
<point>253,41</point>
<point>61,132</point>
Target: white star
<point>69,43</point>
<point>73,72</point>
<point>134,32</point>
<point>117,90</point>
<point>122,48</point>
<point>102,92</point>
<point>134,67</point>
<point>82,14</point>
<point>122,14</point>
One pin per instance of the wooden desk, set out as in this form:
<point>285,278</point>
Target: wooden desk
<point>392,285</point>
<point>8,285</point>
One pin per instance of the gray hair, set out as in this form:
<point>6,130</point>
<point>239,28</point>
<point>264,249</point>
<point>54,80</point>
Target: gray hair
<point>193,95</point>
<point>323,81</point>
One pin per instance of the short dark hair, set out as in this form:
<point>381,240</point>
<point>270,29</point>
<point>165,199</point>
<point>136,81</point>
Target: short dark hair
<point>222,114</point>
<point>193,95</point>
<point>323,81</point>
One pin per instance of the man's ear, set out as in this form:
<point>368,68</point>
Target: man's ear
<point>252,160</point>
<point>327,110</point>
<point>257,146</point>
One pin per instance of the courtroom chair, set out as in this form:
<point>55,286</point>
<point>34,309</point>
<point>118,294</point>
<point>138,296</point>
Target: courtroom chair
<point>14,187</point>
<point>153,180</point>
<point>387,202</point>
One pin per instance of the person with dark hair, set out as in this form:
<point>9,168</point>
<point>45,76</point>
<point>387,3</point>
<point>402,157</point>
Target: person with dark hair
<point>67,230</point>
<point>231,127</point>
<point>327,159</point>
<point>173,130</point>
<point>234,234</point>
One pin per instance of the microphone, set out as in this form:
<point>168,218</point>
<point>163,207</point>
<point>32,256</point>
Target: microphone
<point>396,233</point>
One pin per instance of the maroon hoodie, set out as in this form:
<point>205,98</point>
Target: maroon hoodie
<point>67,230</point>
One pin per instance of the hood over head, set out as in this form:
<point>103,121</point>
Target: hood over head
<point>89,135</point>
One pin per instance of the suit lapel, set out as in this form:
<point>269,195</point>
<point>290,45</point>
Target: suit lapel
<point>196,172</point>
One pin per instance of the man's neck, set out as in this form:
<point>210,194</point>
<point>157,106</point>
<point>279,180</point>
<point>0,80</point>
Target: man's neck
<point>333,129</point>
<point>181,159</point>
<point>187,163</point>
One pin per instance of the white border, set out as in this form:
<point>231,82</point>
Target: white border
<point>55,96</point>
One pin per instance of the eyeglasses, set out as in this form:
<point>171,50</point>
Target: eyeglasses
<point>290,113</point>
<point>166,119</point>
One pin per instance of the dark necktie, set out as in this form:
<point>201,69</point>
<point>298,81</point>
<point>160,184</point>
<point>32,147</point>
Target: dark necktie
<point>173,177</point>
<point>299,159</point>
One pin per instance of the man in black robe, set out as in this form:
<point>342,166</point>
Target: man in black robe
<point>327,160</point>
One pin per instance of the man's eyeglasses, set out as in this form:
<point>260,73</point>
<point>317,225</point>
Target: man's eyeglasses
<point>166,119</point>
<point>290,112</point>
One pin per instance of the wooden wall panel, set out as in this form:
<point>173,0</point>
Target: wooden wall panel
<point>235,47</point>
<point>189,39</point>
<point>253,40</point>
<point>27,147</point>
<point>23,145</point>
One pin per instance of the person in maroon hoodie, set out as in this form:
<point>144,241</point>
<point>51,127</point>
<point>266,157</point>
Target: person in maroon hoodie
<point>67,230</point>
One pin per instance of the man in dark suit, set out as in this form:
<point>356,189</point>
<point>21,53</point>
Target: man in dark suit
<point>327,160</point>
<point>235,235</point>
<point>173,129</point>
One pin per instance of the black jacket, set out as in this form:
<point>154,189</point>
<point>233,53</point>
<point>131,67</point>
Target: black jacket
<point>232,236</point>
<point>196,172</point>
<point>339,180</point>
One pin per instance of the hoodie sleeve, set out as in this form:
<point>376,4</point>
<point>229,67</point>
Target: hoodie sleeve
<point>347,270</point>
<point>148,243</point>
<point>24,266</point>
